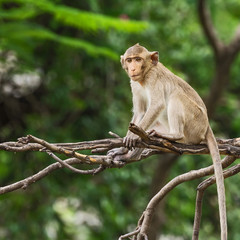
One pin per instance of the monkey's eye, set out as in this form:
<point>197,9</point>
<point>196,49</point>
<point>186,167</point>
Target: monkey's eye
<point>138,59</point>
<point>129,60</point>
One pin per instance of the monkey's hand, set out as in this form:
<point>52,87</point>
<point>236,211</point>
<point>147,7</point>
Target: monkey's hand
<point>130,141</point>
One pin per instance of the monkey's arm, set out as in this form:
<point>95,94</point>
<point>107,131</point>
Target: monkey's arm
<point>146,121</point>
<point>139,110</point>
<point>137,117</point>
<point>129,140</point>
<point>151,115</point>
<point>139,103</point>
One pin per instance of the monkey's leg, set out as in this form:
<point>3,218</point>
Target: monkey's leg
<point>175,122</point>
<point>172,137</point>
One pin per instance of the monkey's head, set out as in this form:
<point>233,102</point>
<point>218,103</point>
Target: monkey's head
<point>137,61</point>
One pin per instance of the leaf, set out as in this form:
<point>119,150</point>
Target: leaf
<point>21,31</point>
<point>18,13</point>
<point>233,7</point>
<point>85,20</point>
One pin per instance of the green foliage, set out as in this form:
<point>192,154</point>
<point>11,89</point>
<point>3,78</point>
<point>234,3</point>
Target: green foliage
<point>18,13</point>
<point>233,7</point>
<point>25,31</point>
<point>85,20</point>
<point>68,16</point>
<point>84,93</point>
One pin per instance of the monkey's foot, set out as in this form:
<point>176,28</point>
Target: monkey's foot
<point>121,158</point>
<point>154,133</point>
<point>172,137</point>
<point>119,154</point>
<point>117,151</point>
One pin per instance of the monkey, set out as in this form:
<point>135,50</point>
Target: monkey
<point>166,106</point>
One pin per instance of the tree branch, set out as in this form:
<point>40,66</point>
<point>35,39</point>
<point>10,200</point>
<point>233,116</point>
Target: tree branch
<point>194,174</point>
<point>65,164</point>
<point>36,177</point>
<point>99,163</point>
<point>200,193</point>
<point>225,54</point>
<point>208,27</point>
<point>152,146</point>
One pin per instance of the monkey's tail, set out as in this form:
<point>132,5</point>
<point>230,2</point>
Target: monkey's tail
<point>213,148</point>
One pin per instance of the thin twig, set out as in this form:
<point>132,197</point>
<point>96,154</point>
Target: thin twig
<point>151,146</point>
<point>41,174</point>
<point>135,232</point>
<point>200,193</point>
<point>113,134</point>
<point>76,170</point>
<point>36,177</point>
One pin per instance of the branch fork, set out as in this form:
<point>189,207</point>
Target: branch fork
<point>99,163</point>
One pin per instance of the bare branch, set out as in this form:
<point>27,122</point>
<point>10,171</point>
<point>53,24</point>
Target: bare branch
<point>62,150</point>
<point>205,19</point>
<point>158,146</point>
<point>129,234</point>
<point>208,27</point>
<point>200,193</point>
<point>65,164</point>
<point>194,174</point>
<point>114,134</point>
<point>23,184</point>
<point>36,177</point>
<point>151,145</point>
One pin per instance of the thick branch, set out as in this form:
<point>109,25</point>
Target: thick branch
<point>225,54</point>
<point>152,144</point>
<point>208,27</point>
<point>194,174</point>
<point>200,193</point>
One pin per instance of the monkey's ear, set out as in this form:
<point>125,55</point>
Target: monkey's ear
<point>122,60</point>
<point>154,57</point>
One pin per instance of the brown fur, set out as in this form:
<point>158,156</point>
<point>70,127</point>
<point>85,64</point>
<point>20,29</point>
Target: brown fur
<point>168,107</point>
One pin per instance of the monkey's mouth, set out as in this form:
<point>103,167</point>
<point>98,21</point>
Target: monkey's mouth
<point>137,75</point>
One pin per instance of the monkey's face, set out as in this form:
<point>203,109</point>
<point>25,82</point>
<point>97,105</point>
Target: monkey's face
<point>134,67</point>
<point>137,61</point>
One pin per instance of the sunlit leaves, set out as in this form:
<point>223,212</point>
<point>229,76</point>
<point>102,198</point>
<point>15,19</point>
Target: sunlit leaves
<point>74,17</point>
<point>18,13</point>
<point>68,16</point>
<point>30,31</point>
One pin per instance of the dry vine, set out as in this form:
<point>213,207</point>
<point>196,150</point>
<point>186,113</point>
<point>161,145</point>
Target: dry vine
<point>99,163</point>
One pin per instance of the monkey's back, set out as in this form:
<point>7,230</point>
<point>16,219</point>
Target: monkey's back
<point>187,101</point>
<point>179,84</point>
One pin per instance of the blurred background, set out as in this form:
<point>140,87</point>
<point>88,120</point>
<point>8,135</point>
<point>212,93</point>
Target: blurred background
<point>61,80</point>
